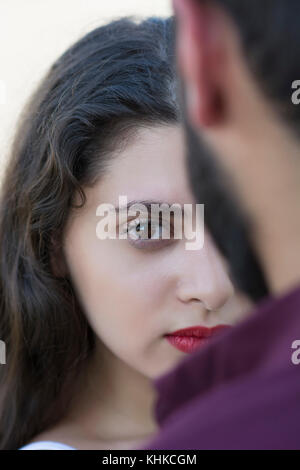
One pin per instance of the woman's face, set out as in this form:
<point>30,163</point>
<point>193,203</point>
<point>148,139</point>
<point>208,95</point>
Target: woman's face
<point>135,293</point>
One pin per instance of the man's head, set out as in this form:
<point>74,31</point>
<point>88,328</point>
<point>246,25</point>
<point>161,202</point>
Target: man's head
<point>238,60</point>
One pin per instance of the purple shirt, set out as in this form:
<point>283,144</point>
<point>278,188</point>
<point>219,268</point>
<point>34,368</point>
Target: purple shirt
<point>241,391</point>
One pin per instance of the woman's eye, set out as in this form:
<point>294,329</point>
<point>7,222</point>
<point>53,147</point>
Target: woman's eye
<point>143,230</point>
<point>142,233</point>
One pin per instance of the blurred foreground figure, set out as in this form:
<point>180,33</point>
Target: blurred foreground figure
<point>238,62</point>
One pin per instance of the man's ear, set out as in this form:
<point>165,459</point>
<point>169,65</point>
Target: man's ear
<point>200,54</point>
<point>57,258</point>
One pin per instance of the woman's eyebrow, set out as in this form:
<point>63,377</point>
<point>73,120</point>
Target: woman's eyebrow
<point>146,202</point>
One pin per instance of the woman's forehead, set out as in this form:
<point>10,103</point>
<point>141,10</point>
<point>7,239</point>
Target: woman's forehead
<point>152,166</point>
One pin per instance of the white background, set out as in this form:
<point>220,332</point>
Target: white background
<point>33,33</point>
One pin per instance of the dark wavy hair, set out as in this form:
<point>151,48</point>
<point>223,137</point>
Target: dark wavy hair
<point>112,81</point>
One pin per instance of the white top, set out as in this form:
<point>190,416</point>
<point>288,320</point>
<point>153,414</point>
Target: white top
<point>46,445</point>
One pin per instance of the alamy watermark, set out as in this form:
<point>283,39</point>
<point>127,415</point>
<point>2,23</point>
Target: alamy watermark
<point>296,354</point>
<point>157,214</point>
<point>2,352</point>
<point>296,94</point>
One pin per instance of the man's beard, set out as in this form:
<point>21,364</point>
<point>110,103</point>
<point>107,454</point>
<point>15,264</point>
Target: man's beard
<point>223,217</point>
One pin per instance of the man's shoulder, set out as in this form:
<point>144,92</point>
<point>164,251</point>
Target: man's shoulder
<point>251,366</point>
<point>257,412</point>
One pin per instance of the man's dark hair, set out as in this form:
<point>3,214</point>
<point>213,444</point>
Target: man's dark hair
<point>270,37</point>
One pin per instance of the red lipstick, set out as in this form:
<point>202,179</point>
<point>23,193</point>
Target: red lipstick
<point>190,339</point>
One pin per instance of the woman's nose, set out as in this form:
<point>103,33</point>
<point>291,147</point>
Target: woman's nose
<point>203,278</point>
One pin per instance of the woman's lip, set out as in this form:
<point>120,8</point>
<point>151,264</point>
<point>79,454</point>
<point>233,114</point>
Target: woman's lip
<point>190,339</point>
<point>199,331</point>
